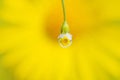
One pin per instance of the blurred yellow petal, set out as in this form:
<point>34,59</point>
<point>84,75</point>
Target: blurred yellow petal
<point>28,40</point>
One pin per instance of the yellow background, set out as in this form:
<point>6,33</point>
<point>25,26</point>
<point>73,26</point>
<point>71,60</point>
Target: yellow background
<point>28,40</point>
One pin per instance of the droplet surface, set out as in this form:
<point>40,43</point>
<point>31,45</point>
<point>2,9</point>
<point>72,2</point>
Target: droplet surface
<point>65,40</point>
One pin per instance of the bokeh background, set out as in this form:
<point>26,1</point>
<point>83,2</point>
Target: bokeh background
<point>29,49</point>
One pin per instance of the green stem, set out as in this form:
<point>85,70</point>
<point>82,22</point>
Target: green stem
<point>64,11</point>
<point>65,26</point>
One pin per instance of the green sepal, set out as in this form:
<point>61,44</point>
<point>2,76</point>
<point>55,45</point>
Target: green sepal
<point>65,28</point>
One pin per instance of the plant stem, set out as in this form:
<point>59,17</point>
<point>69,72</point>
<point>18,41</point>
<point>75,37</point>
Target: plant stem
<point>64,11</point>
<point>65,26</point>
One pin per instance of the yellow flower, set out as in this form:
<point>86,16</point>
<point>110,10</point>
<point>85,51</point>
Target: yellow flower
<point>28,40</point>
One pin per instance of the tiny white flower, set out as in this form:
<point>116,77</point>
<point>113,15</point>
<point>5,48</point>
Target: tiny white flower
<point>65,40</point>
